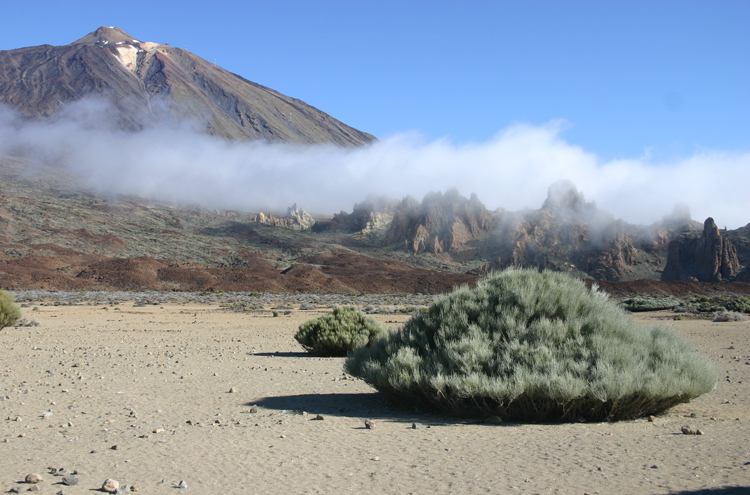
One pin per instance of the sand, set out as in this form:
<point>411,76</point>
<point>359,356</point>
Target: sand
<point>155,382</point>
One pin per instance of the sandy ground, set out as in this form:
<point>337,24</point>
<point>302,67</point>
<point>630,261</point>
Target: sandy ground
<point>155,382</point>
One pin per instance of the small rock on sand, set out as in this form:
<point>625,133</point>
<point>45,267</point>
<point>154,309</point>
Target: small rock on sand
<point>689,430</point>
<point>369,424</point>
<point>417,426</point>
<point>33,478</point>
<point>232,390</point>
<point>318,418</point>
<point>110,485</point>
<point>70,480</point>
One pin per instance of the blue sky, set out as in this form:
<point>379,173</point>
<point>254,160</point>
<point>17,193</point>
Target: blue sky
<point>663,78</point>
<point>642,104</point>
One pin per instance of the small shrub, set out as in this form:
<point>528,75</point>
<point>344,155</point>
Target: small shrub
<point>649,303</point>
<point>534,346</point>
<point>724,316</point>
<point>339,332</point>
<point>10,312</point>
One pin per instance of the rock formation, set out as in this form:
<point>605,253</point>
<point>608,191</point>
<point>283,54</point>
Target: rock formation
<point>440,223</point>
<point>372,216</point>
<point>707,258</point>
<point>295,219</point>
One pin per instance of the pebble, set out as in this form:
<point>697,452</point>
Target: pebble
<point>417,426</point>
<point>651,419</point>
<point>369,424</point>
<point>181,484</point>
<point>70,480</point>
<point>115,447</point>
<point>33,488</point>
<point>33,478</point>
<point>318,418</point>
<point>687,430</point>
<point>110,486</point>
<point>232,390</point>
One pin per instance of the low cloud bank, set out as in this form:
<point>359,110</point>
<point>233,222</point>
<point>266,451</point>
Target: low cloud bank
<point>513,170</point>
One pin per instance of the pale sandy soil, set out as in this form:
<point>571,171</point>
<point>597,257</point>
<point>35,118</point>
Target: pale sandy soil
<point>155,382</point>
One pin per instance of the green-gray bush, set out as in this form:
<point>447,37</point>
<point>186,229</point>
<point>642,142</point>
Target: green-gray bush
<point>10,312</point>
<point>724,316</point>
<point>649,303</point>
<point>525,345</point>
<point>339,332</point>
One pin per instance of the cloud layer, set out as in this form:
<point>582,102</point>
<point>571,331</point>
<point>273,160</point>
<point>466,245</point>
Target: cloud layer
<point>513,170</point>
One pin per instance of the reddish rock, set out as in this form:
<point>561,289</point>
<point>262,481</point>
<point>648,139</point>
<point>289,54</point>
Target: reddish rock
<point>707,258</point>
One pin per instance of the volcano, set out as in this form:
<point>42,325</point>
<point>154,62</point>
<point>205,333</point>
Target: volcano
<point>143,83</point>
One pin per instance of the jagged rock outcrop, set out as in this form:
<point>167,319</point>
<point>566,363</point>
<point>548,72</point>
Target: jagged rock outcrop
<point>708,258</point>
<point>295,219</point>
<point>146,83</point>
<point>440,223</point>
<point>372,216</point>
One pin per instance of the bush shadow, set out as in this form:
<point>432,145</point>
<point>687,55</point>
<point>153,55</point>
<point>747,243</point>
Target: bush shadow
<point>352,405</point>
<point>362,405</point>
<point>727,490</point>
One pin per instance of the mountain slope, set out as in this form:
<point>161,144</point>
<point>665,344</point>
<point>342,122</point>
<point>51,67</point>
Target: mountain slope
<point>149,82</point>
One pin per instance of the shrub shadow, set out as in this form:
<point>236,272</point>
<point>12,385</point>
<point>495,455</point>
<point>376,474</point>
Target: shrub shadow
<point>728,490</point>
<point>290,354</point>
<point>353,405</point>
<point>364,405</point>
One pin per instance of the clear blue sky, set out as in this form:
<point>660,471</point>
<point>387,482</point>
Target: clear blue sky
<point>662,78</point>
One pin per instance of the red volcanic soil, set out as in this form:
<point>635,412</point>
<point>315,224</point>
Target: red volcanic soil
<point>339,272</point>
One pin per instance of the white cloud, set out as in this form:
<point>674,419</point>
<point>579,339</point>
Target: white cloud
<point>512,170</point>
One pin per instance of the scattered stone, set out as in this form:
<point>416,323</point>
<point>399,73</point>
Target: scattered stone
<point>688,430</point>
<point>48,414</point>
<point>232,390</point>
<point>318,418</point>
<point>70,480</point>
<point>654,467</point>
<point>16,489</point>
<point>33,478</point>
<point>33,488</point>
<point>417,426</point>
<point>376,458</point>
<point>651,419</point>
<point>493,420</point>
<point>115,447</point>
<point>253,410</point>
<point>181,484</point>
<point>369,424</point>
<point>159,430</point>
<point>61,492</point>
<point>110,486</point>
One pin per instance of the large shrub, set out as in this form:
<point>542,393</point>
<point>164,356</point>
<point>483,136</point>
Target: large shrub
<point>9,310</point>
<point>526,345</point>
<point>339,332</point>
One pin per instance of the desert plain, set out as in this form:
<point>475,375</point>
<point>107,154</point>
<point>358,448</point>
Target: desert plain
<point>229,403</point>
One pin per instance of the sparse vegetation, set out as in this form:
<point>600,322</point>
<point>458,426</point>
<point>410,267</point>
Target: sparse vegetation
<point>10,312</point>
<point>339,332</point>
<point>725,316</point>
<point>649,303</point>
<point>705,304</point>
<point>525,345</point>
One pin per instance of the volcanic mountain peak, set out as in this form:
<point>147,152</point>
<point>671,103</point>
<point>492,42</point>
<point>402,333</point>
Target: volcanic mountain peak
<point>157,79</point>
<point>105,35</point>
